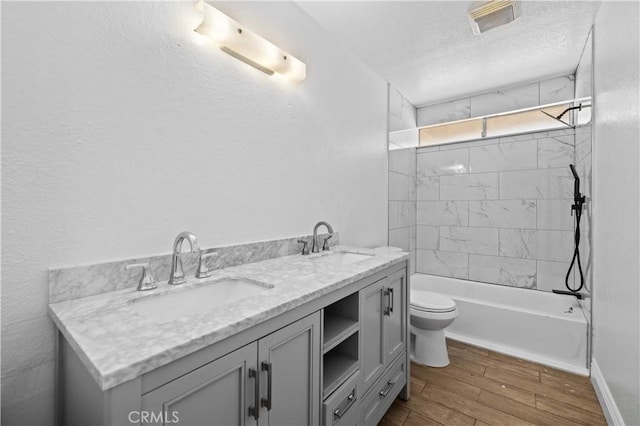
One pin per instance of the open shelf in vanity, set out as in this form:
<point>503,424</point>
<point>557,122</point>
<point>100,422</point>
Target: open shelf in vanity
<point>340,343</point>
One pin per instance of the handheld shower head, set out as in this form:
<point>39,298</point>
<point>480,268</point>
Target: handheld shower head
<point>577,196</point>
<point>576,182</point>
<point>573,170</point>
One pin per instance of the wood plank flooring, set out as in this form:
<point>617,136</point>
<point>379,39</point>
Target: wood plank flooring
<point>481,387</point>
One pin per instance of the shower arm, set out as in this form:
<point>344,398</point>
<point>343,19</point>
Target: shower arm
<point>559,117</point>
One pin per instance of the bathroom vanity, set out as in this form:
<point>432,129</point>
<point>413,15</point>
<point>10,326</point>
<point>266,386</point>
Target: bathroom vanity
<point>325,343</point>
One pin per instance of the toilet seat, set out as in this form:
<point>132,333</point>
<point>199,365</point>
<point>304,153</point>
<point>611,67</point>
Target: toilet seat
<point>428,301</point>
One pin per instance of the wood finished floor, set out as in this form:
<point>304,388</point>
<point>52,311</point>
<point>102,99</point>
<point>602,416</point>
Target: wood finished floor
<point>481,387</point>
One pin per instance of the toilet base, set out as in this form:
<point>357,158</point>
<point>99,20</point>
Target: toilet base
<point>430,348</point>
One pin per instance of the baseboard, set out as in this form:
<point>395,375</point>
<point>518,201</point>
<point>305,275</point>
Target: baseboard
<point>608,404</point>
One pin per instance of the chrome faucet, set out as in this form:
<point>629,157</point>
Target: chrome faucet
<point>325,245</point>
<point>177,273</point>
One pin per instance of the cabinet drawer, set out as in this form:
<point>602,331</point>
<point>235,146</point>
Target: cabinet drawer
<point>384,391</point>
<point>338,409</point>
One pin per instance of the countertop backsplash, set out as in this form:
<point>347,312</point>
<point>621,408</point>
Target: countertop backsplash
<point>82,281</point>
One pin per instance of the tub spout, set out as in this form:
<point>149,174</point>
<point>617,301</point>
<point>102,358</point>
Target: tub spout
<point>569,293</point>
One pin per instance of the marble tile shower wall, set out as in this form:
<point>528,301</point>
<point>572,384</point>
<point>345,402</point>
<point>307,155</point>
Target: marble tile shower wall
<point>402,202</point>
<point>498,210</point>
<point>558,89</point>
<point>402,114</point>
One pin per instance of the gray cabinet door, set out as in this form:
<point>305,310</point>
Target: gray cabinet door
<point>394,323</point>
<point>371,332</point>
<point>218,393</point>
<point>292,354</point>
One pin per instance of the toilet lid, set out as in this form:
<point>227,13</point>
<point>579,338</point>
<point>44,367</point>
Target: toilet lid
<point>432,302</point>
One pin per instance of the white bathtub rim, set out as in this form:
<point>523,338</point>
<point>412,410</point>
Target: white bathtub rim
<point>518,353</point>
<point>580,318</point>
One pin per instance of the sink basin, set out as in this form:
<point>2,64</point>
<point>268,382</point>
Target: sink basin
<point>342,258</point>
<point>200,299</point>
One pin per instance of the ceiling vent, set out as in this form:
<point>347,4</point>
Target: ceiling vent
<point>494,14</point>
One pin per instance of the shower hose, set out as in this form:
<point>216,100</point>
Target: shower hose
<point>576,251</point>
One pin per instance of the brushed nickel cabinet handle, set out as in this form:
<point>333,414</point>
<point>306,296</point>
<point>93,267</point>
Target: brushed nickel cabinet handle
<point>387,388</point>
<point>339,412</point>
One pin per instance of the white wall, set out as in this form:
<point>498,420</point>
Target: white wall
<point>616,253</point>
<point>119,131</point>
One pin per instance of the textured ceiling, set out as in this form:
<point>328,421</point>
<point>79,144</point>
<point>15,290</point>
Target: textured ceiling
<point>427,51</point>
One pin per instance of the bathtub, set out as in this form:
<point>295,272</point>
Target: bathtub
<point>543,327</point>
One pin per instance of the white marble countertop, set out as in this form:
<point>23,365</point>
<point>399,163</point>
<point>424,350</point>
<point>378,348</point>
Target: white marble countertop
<point>116,344</point>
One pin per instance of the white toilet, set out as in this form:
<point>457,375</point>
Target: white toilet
<point>431,313</point>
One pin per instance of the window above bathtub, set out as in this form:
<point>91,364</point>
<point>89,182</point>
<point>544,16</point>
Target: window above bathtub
<point>528,120</point>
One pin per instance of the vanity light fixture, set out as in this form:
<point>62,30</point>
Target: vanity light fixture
<point>247,46</point>
<point>494,14</point>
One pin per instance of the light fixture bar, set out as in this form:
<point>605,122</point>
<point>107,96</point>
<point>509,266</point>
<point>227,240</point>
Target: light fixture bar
<point>247,46</point>
<point>246,60</point>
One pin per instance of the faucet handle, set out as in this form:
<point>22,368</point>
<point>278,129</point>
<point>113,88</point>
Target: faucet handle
<point>147,282</point>
<point>325,244</point>
<point>305,250</point>
<point>203,271</point>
